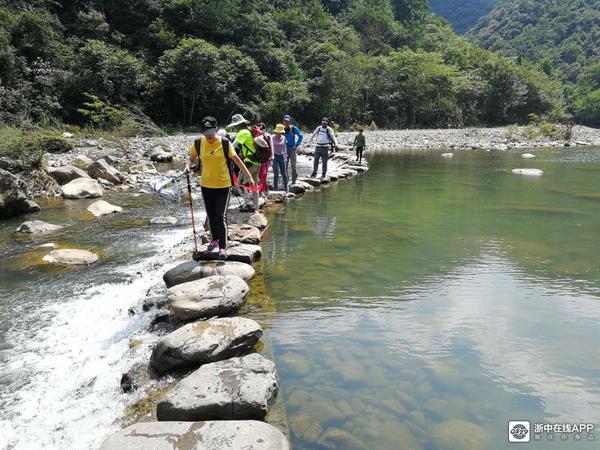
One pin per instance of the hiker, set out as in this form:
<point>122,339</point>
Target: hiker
<point>325,138</point>
<point>248,144</point>
<point>259,130</point>
<point>293,138</point>
<point>359,144</point>
<point>279,143</point>
<point>214,153</point>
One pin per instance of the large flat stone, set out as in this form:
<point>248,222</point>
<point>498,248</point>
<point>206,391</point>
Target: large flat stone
<point>315,182</point>
<point>239,388</point>
<point>82,188</point>
<point>65,174</point>
<point>236,251</point>
<point>208,297</point>
<point>102,208</point>
<point>73,257</point>
<point>246,234</point>
<point>192,270</point>
<point>213,435</point>
<point>203,342</point>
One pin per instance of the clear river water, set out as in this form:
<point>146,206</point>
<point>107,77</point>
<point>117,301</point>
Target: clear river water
<point>422,305</point>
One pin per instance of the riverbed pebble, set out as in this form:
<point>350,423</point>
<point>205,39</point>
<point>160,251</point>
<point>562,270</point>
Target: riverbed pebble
<point>528,172</point>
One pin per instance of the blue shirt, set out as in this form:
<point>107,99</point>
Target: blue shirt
<point>291,133</point>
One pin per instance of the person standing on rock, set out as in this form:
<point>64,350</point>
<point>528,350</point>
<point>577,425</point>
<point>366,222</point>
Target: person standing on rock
<point>279,151</point>
<point>293,138</point>
<point>246,142</point>
<point>359,144</point>
<point>214,153</point>
<point>325,138</point>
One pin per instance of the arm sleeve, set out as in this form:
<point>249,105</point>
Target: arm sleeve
<point>312,136</point>
<point>298,133</point>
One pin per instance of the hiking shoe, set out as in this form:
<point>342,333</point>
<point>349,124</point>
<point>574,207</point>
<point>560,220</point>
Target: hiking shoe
<point>212,246</point>
<point>313,175</point>
<point>222,254</point>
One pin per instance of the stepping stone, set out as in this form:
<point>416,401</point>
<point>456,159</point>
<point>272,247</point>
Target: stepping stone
<point>192,270</point>
<point>212,435</point>
<point>258,220</point>
<point>297,188</point>
<point>333,176</point>
<point>208,297</point>
<point>246,234</point>
<point>37,227</point>
<point>236,251</point>
<point>277,196</point>
<point>307,186</point>
<point>202,342</point>
<point>103,208</point>
<point>164,220</point>
<point>358,169</point>
<point>71,257</point>
<point>239,388</point>
<point>82,188</point>
<point>315,182</point>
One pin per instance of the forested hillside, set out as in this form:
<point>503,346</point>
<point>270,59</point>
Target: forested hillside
<point>462,14</point>
<point>563,36</point>
<point>89,62</point>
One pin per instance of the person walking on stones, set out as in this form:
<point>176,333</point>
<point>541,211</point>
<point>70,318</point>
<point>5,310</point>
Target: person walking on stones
<point>293,138</point>
<point>215,153</point>
<point>359,144</point>
<point>279,152</point>
<point>325,137</point>
<point>246,142</point>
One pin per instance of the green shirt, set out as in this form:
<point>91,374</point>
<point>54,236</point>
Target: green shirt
<point>246,141</point>
<point>359,140</point>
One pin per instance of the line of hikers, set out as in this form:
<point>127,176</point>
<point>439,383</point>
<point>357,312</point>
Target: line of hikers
<point>242,159</point>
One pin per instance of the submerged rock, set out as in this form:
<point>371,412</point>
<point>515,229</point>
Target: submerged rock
<point>460,435</point>
<point>203,342</point>
<point>447,155</point>
<point>65,174</point>
<point>37,227</point>
<point>239,388</point>
<point>103,208</point>
<point>528,172</point>
<point>208,297</point>
<point>214,435</point>
<point>164,220</point>
<point>246,234</point>
<point>82,188</point>
<point>528,156</point>
<point>192,270</point>
<point>71,257</point>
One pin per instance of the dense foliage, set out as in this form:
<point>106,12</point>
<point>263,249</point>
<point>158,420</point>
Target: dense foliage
<point>563,36</point>
<point>359,61</point>
<point>462,14</point>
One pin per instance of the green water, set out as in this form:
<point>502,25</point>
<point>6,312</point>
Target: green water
<point>428,302</point>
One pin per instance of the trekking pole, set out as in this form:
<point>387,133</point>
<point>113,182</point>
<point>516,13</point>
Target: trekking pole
<point>189,186</point>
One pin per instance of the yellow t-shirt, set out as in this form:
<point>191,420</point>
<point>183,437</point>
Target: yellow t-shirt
<point>215,173</point>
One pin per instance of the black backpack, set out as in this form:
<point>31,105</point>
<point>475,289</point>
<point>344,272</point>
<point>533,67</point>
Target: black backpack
<point>225,144</point>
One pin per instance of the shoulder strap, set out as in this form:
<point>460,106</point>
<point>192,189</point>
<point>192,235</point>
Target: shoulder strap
<point>198,146</point>
<point>225,145</point>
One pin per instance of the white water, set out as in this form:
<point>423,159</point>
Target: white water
<point>63,390</point>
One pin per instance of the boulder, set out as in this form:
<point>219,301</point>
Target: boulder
<point>202,342</point>
<point>246,234</point>
<point>101,169</point>
<point>71,257</point>
<point>160,154</point>
<point>65,174</point>
<point>236,251</point>
<point>257,220</point>
<point>81,162</point>
<point>239,388</point>
<point>37,227</point>
<point>359,169</point>
<point>103,208</point>
<point>112,160</point>
<point>14,199</point>
<point>333,176</point>
<point>528,172</point>
<point>208,297</point>
<point>82,188</point>
<point>297,188</point>
<point>191,270</point>
<point>164,220</point>
<point>277,196</point>
<point>214,435</point>
<point>146,167</point>
<point>315,182</point>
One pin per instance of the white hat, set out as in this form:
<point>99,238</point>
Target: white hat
<point>236,120</point>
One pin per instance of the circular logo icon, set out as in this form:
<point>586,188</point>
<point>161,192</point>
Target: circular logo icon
<point>519,431</point>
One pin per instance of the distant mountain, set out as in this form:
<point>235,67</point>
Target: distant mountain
<point>462,14</point>
<point>565,33</point>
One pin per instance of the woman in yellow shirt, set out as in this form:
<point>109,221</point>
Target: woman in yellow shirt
<point>215,179</point>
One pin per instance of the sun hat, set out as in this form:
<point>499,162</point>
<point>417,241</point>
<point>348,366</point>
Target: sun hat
<point>222,132</point>
<point>208,125</point>
<point>287,117</point>
<point>236,120</point>
<point>279,128</point>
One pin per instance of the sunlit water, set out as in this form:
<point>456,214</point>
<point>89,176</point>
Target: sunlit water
<point>425,304</point>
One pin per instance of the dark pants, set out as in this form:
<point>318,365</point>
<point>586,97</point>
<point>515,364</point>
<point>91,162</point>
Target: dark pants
<point>320,153</point>
<point>279,166</point>
<point>359,152</point>
<point>216,202</point>
<point>291,164</point>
